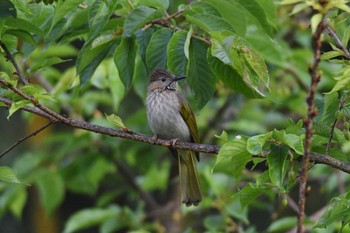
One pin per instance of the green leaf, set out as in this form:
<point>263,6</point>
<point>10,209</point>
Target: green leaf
<point>5,76</point>
<point>90,57</point>
<point>232,12</point>
<point>140,80</point>
<point>51,189</point>
<point>287,2</point>
<point>235,52</point>
<point>7,9</point>
<point>156,53</point>
<point>343,82</point>
<point>124,59</point>
<point>98,171</point>
<point>203,7</point>
<point>187,43</point>
<point>24,35</point>
<point>17,105</point>
<point>116,120</point>
<point>269,8</point>
<point>330,105</point>
<point>138,18</point>
<point>256,13</point>
<point>223,137</point>
<point>176,53</point>
<point>230,77</point>
<point>255,144</point>
<point>45,62</point>
<point>201,78</point>
<point>249,193</point>
<point>270,49</point>
<point>32,89</point>
<point>7,175</point>
<point>63,8</point>
<point>90,217</point>
<point>163,4</point>
<point>331,54</point>
<point>209,23</point>
<point>315,21</point>
<point>346,36</point>
<point>21,24</point>
<point>232,157</point>
<point>143,38</point>
<point>295,142</point>
<point>343,6</point>
<point>282,225</point>
<point>19,199</point>
<point>338,211</point>
<point>277,160</point>
<point>116,85</point>
<point>99,15</point>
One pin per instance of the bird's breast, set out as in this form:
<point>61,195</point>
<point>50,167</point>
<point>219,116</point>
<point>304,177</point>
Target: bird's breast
<point>164,118</point>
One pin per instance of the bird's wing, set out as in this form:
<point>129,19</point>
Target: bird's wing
<point>190,120</point>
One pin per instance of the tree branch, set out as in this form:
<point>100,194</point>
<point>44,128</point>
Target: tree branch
<point>203,148</point>
<point>335,37</point>
<point>25,138</point>
<point>14,63</point>
<point>311,113</point>
<point>164,22</point>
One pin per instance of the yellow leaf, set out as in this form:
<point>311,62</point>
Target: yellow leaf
<point>315,21</point>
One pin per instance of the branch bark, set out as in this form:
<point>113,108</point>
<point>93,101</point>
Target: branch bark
<point>203,148</point>
<point>311,113</point>
<point>14,63</point>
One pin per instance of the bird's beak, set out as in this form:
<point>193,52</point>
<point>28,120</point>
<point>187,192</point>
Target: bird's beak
<point>178,78</point>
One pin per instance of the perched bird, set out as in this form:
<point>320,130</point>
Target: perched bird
<point>170,117</point>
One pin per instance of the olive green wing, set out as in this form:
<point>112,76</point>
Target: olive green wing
<point>190,120</point>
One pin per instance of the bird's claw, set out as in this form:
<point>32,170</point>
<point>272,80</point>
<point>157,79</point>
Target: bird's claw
<point>154,138</point>
<point>172,142</point>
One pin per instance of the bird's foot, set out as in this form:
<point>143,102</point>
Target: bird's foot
<point>154,138</point>
<point>172,142</point>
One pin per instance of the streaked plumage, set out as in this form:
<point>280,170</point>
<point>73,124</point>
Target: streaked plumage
<point>170,117</point>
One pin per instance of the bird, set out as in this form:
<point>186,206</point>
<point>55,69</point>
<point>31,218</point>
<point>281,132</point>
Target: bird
<point>170,117</point>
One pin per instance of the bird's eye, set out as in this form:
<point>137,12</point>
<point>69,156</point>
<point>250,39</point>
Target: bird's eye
<point>163,79</point>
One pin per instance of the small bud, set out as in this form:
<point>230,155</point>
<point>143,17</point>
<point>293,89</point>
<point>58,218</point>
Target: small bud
<point>284,202</point>
<point>339,115</point>
<point>347,135</point>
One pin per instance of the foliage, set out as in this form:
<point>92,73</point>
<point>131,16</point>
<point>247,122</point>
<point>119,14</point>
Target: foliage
<point>248,67</point>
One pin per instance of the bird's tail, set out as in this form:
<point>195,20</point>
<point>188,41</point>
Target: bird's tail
<point>189,182</point>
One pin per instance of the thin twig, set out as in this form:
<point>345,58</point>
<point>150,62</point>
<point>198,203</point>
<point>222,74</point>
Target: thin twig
<point>292,204</point>
<point>164,22</point>
<point>25,138</point>
<point>14,63</point>
<point>342,102</point>
<point>311,113</point>
<point>338,42</point>
<point>331,135</point>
